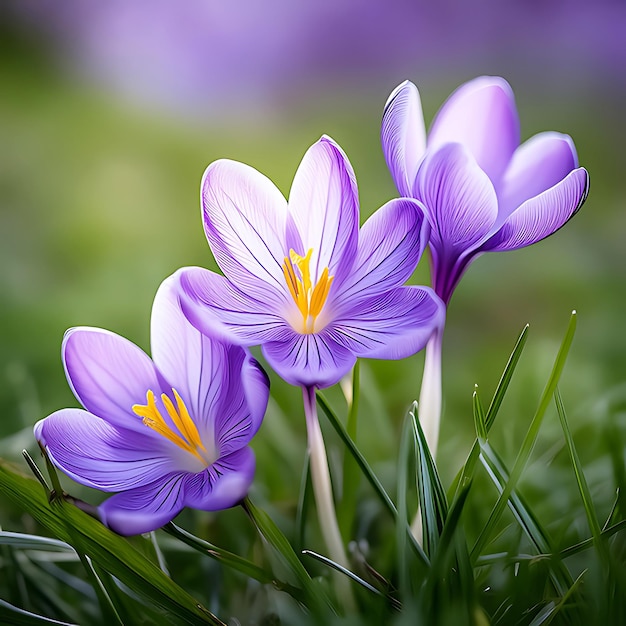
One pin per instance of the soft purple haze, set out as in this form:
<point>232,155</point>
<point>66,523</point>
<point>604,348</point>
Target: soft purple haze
<point>213,55</point>
<point>166,433</point>
<point>301,279</point>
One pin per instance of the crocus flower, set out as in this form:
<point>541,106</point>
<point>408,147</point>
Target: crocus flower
<point>167,433</point>
<point>482,191</point>
<point>300,279</point>
<point>305,283</point>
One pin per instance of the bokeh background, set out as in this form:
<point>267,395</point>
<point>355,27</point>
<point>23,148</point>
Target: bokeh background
<point>110,111</point>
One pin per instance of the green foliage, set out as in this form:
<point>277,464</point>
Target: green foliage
<point>112,553</point>
<point>511,571</point>
<point>530,527</point>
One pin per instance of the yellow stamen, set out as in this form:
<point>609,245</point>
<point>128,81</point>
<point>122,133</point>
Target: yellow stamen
<point>309,300</point>
<point>187,438</point>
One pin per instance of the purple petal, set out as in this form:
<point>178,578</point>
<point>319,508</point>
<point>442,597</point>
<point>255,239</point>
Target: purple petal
<point>392,325</point>
<point>217,308</point>
<point>391,243</point>
<point>538,164</point>
<point>481,115</point>
<point>206,372</point>
<point>240,406</point>
<point>108,374</point>
<point>459,199</point>
<point>403,135</point>
<point>222,485</point>
<point>189,361</point>
<point>256,387</point>
<point>447,271</point>
<point>307,360</point>
<point>245,220</point>
<point>542,215</point>
<point>99,455</point>
<point>145,508</point>
<point>323,202</point>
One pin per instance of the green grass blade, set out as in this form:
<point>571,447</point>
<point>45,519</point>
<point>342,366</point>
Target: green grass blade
<point>467,470</point>
<point>351,476</point>
<point>479,417</point>
<point>432,497</point>
<point>404,463</point>
<point>112,552</point>
<point>105,598</point>
<point>368,472</point>
<point>549,612</point>
<point>451,524</point>
<point>10,614</point>
<point>581,546</point>
<point>357,579</point>
<point>529,441</point>
<point>356,453</point>
<point>23,541</point>
<point>316,599</point>
<point>505,379</point>
<point>451,573</point>
<point>227,558</point>
<point>524,515</point>
<point>581,481</point>
<point>613,511</point>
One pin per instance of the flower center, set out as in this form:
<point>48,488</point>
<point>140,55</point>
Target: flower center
<point>187,437</point>
<point>309,299</point>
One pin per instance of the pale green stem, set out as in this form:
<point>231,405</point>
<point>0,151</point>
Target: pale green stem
<point>322,490</point>
<point>429,408</point>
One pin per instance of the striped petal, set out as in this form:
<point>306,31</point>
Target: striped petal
<point>391,243</point>
<point>458,197</point>
<point>245,218</point>
<point>307,360</point>
<point>323,202</point>
<point>403,135</point>
<point>99,455</point>
<point>222,485</point>
<point>108,374</point>
<point>218,308</point>
<point>542,215</point>
<point>145,508</point>
<point>538,164</point>
<point>481,115</point>
<point>392,325</point>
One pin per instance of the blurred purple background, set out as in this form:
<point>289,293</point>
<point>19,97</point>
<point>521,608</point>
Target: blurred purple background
<point>213,55</point>
<point>111,110</point>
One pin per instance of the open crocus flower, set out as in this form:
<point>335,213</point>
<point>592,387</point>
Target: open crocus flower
<point>300,279</point>
<point>165,434</point>
<point>481,190</point>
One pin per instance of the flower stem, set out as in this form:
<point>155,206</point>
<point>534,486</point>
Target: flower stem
<point>322,489</point>
<point>430,394</point>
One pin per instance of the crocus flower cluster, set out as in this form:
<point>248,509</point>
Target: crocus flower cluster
<point>164,433</point>
<point>315,291</point>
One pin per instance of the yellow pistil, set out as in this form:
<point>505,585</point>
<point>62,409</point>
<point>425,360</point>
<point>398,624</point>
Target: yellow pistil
<point>309,300</point>
<point>187,438</point>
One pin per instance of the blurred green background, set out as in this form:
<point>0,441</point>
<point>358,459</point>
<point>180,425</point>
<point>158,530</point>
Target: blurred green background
<point>104,139</point>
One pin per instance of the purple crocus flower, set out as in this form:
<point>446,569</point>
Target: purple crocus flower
<point>481,190</point>
<point>301,279</point>
<point>306,284</point>
<point>165,434</point>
